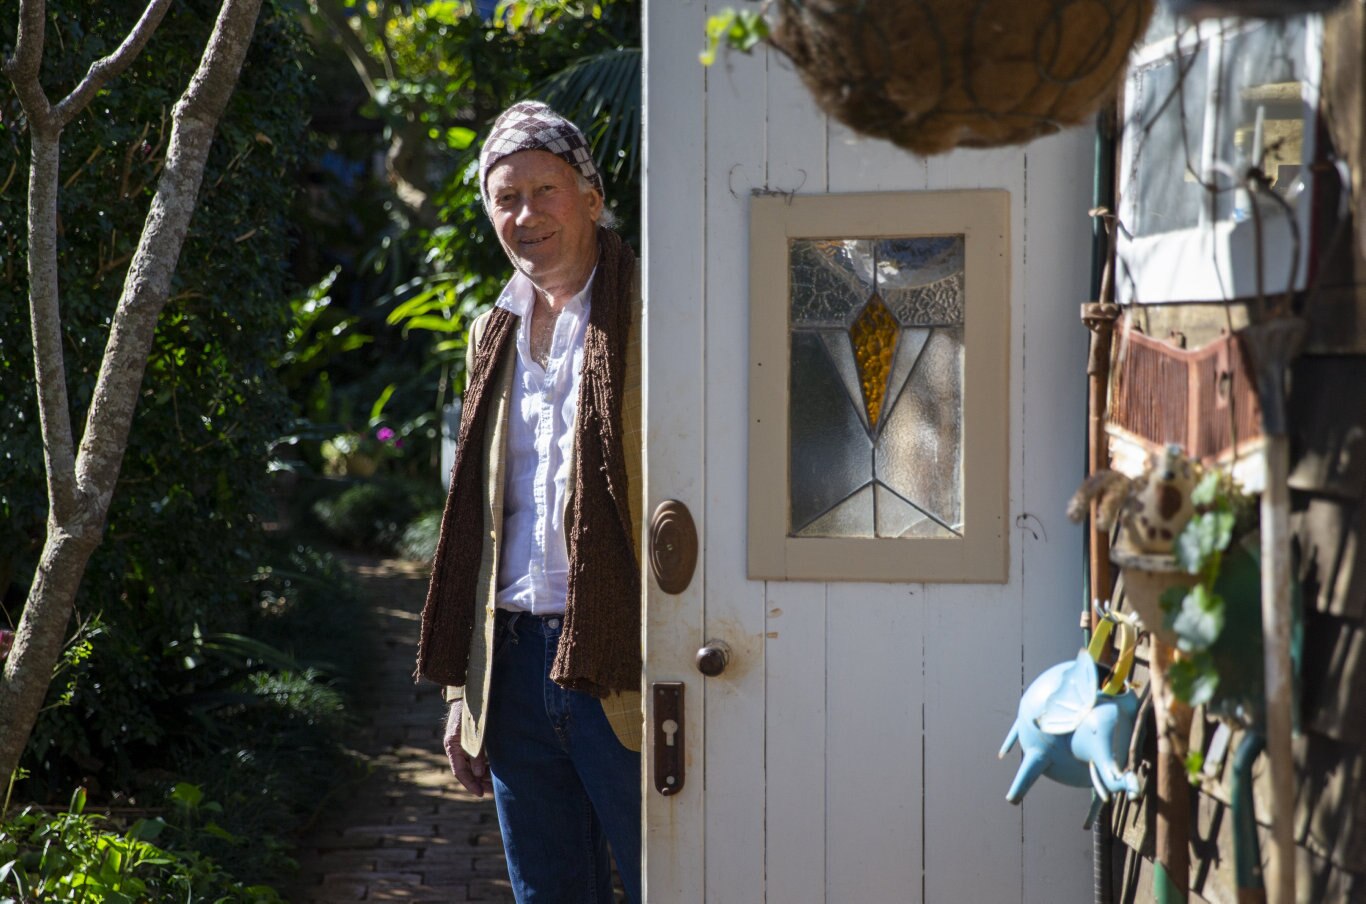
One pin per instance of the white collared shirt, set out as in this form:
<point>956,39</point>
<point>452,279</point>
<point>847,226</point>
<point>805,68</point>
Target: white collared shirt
<point>533,567</point>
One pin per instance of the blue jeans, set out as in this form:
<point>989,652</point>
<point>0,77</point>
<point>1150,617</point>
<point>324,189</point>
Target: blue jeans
<point>564,785</point>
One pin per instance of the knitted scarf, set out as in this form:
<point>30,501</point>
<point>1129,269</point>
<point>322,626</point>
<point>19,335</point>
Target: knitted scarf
<point>599,648</point>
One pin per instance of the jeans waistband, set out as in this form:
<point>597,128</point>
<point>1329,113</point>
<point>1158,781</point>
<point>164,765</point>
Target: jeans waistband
<point>511,619</point>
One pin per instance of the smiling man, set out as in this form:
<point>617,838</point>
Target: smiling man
<point>532,618</point>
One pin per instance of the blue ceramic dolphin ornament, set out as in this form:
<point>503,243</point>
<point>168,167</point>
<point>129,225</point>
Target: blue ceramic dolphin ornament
<point>1073,730</point>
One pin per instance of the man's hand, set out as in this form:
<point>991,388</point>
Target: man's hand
<point>472,772</point>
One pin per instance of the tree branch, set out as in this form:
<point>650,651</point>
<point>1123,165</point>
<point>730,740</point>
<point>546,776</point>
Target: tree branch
<point>49,365</point>
<point>384,42</point>
<point>23,67</point>
<point>147,284</point>
<point>366,68</point>
<point>102,70</point>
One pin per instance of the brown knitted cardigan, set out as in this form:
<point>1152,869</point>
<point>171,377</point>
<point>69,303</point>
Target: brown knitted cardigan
<point>599,647</point>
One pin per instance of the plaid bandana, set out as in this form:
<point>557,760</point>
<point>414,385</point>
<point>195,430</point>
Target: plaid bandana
<point>532,126</point>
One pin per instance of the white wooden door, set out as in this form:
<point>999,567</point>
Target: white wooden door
<point>848,752</point>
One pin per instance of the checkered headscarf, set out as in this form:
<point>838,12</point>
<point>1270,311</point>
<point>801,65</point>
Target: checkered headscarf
<point>532,126</point>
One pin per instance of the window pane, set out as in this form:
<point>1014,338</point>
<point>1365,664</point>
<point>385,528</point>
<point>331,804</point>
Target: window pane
<point>851,518</point>
<point>1261,97</point>
<point>876,383</point>
<point>829,279</point>
<point>920,454</point>
<point>830,454</point>
<point>898,518</point>
<point>918,261</point>
<point>1169,125</point>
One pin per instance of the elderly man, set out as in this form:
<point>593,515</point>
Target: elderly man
<point>532,618</point>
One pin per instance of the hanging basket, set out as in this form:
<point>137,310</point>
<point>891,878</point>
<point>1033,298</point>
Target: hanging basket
<point>932,75</point>
<point>1264,9</point>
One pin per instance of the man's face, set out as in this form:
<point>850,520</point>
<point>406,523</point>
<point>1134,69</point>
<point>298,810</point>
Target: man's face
<point>546,223</point>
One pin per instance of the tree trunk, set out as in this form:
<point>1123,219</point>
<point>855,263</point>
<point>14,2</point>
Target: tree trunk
<point>38,642</point>
<point>80,491</point>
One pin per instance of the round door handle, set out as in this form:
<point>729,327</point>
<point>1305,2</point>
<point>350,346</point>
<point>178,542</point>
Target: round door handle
<point>713,658</point>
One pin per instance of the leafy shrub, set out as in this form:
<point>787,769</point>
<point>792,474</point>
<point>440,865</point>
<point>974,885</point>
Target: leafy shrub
<point>308,607</point>
<point>419,537</point>
<point>80,857</point>
<point>374,514</point>
<point>256,718</point>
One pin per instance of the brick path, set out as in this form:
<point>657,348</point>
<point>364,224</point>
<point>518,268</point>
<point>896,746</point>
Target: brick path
<point>407,831</point>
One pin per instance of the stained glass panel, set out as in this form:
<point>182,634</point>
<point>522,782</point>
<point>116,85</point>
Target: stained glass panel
<point>875,411</point>
<point>911,262</point>
<point>851,518</point>
<point>874,335</point>
<point>830,280</point>
<point>934,304</point>
<point>830,453</point>
<point>841,351</point>
<point>898,518</point>
<point>920,454</point>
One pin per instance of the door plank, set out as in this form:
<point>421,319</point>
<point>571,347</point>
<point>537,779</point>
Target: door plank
<point>875,827</point>
<point>795,743</point>
<point>874,663</point>
<point>673,276</point>
<point>734,605</point>
<point>1057,852</point>
<point>973,646</point>
<point>794,650</point>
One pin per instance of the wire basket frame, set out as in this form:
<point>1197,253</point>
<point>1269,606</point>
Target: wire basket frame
<point>1202,398</point>
<point>932,75</point>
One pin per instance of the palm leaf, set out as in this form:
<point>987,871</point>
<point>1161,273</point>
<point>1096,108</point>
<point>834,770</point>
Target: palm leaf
<point>601,94</point>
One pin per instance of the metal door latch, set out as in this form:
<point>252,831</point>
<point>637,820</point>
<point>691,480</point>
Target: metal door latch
<point>669,770</point>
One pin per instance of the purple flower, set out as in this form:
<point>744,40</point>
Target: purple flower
<point>384,434</point>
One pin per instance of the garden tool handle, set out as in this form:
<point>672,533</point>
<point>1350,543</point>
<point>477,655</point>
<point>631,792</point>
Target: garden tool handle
<point>1126,641</point>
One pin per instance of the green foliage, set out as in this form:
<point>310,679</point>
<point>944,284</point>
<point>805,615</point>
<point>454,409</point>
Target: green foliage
<point>601,93</point>
<point>182,534</point>
<point>738,29</point>
<point>1198,616</point>
<point>583,58</point>
<point>1195,679</point>
<point>375,513</point>
<point>1201,545</point>
<point>419,537</point>
<point>80,857</point>
<point>255,718</point>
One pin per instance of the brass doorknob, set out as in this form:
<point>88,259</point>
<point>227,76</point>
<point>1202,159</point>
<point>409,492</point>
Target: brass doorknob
<point>713,658</point>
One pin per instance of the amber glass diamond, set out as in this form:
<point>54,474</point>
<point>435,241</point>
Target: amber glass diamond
<point>873,334</point>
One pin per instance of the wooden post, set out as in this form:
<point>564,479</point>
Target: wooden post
<point>1276,625</point>
<point>1146,575</point>
<point>1099,318</point>
<point>1173,787</point>
<point>1271,346</point>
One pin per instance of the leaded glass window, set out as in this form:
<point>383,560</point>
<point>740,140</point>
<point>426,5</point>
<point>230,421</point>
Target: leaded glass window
<point>879,386</point>
<point>876,398</point>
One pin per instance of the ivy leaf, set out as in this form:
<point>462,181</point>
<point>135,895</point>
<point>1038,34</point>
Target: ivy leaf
<point>1170,601</point>
<point>186,794</point>
<point>1195,765</point>
<point>739,30</point>
<point>1203,539</point>
<point>1199,621</point>
<point>458,138</point>
<point>1206,492</point>
<point>1194,680</point>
